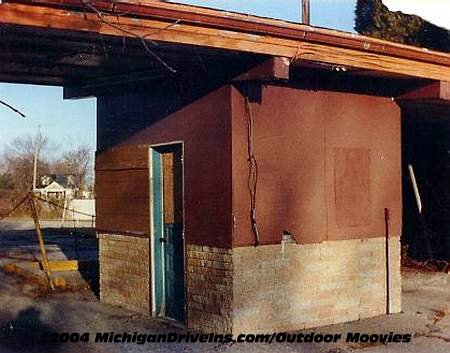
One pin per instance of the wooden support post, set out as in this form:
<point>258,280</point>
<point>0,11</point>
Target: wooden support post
<point>306,12</point>
<point>37,224</point>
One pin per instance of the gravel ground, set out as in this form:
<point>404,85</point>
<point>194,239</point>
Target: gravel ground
<point>26,312</point>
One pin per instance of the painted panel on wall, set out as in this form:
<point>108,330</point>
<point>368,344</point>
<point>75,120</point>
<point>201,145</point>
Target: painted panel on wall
<point>303,186</point>
<point>352,186</point>
<point>288,141</point>
<point>204,128</point>
<point>356,121</point>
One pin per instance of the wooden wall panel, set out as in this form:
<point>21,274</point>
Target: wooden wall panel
<point>122,190</point>
<point>204,129</point>
<point>124,157</point>
<point>352,186</point>
<point>169,213</point>
<point>374,124</point>
<point>296,136</point>
<point>290,151</point>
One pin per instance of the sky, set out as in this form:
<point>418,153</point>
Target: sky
<point>67,123</point>
<point>70,123</point>
<point>435,11</point>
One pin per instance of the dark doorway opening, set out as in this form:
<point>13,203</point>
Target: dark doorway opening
<point>426,152</point>
<point>168,235</point>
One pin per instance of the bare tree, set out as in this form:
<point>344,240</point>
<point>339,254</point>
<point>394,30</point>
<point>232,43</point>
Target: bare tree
<point>78,162</point>
<point>19,157</point>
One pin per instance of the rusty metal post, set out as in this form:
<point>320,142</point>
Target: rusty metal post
<point>388,265</point>
<point>306,12</point>
<point>45,263</point>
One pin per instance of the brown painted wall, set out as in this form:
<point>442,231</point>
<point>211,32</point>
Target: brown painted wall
<point>122,175</point>
<point>205,128</point>
<point>329,163</point>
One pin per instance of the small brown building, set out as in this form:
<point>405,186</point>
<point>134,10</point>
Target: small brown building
<point>249,171</point>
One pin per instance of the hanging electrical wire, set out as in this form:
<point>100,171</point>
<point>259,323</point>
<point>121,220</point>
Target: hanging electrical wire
<point>13,209</point>
<point>9,106</point>
<point>102,17</point>
<point>252,171</point>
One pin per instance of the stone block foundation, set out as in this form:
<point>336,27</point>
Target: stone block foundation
<point>292,287</point>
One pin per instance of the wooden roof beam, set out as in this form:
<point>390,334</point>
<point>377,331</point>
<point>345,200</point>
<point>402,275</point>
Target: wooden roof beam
<point>272,69</point>
<point>243,23</point>
<point>436,92</point>
<point>198,35</point>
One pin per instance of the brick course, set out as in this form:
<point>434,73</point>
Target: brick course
<point>125,272</point>
<point>301,286</point>
<point>209,288</point>
<point>261,289</point>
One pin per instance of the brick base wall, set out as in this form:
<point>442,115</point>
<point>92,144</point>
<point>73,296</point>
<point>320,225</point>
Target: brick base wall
<point>209,289</point>
<point>261,289</point>
<point>125,272</point>
<point>292,287</point>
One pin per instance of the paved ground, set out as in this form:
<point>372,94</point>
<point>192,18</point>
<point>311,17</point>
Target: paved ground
<point>26,311</point>
<point>18,240</point>
<point>70,241</point>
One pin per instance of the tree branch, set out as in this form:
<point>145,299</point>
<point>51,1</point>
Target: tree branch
<point>143,39</point>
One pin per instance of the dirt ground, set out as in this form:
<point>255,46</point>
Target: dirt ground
<point>26,311</point>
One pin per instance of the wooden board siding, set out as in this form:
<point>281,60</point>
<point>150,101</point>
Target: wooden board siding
<point>296,134</point>
<point>204,129</point>
<point>173,198</point>
<point>122,190</point>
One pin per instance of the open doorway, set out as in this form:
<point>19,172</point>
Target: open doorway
<point>168,234</point>
<point>426,155</point>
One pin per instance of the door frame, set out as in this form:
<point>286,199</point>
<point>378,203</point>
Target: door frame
<point>154,311</point>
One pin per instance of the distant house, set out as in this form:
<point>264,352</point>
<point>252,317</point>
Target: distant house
<point>57,186</point>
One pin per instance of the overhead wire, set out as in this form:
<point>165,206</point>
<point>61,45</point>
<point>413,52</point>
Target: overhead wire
<point>252,172</point>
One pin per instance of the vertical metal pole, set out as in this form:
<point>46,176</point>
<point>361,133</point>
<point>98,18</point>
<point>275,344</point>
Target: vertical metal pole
<point>388,270</point>
<point>37,148</point>
<point>427,234</point>
<point>415,188</point>
<point>306,12</point>
<point>37,224</point>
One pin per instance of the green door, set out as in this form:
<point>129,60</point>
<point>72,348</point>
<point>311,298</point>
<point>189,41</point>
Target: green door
<point>168,231</point>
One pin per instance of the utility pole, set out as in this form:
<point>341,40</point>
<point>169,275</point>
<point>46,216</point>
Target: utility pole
<point>306,12</point>
<point>37,147</point>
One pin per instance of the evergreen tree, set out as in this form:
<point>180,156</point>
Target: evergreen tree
<point>374,19</point>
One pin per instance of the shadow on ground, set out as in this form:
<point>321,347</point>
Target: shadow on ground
<point>26,333</point>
